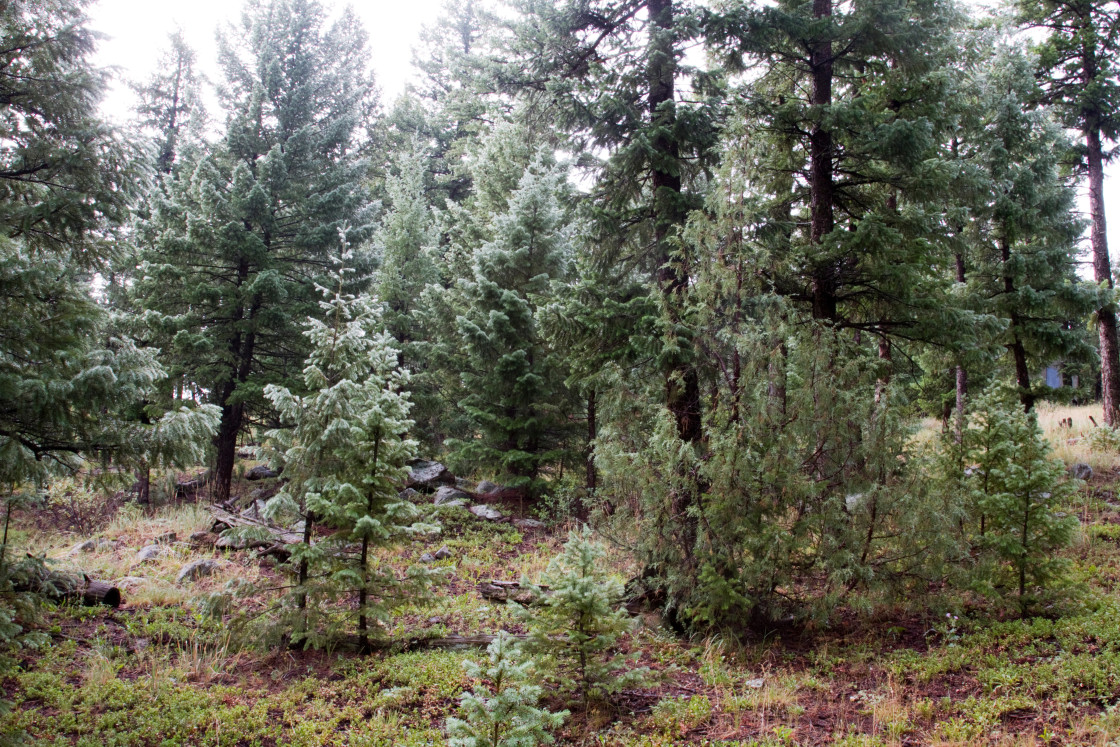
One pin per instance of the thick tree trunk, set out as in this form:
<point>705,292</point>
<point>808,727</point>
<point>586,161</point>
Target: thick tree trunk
<point>226,447</point>
<point>824,280</point>
<point>1102,273</point>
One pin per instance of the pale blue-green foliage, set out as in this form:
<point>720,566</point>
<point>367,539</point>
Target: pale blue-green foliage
<point>504,712</point>
<point>574,626</point>
<point>1014,487</point>
<point>346,450</point>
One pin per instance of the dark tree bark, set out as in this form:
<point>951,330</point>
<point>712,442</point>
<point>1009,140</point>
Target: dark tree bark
<point>962,375</point>
<point>1018,352</point>
<point>1102,273</point>
<point>821,215</point>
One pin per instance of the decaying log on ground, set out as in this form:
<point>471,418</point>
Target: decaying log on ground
<point>506,591</point>
<point>72,587</point>
<point>453,642</point>
<point>224,519</point>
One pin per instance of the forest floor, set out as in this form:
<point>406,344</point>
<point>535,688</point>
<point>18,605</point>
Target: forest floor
<point>155,672</point>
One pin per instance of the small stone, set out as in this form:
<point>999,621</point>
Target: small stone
<point>486,487</point>
<point>435,620</point>
<point>463,483</point>
<point>443,553</point>
<point>483,511</point>
<point>408,494</point>
<point>755,684</point>
<point>166,538</point>
<point>150,552</point>
<point>196,569</point>
<point>1081,471</point>
<point>528,524</point>
<point>427,558</point>
<point>447,494</point>
<point>261,472</point>
<point>104,545</point>
<point>87,546</point>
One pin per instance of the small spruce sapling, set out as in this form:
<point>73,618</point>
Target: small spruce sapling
<point>574,627</point>
<point>1015,486</point>
<point>344,456</point>
<point>505,713</point>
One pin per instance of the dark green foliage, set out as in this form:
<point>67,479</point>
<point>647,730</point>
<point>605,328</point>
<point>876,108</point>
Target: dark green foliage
<point>512,382</point>
<point>1015,490</point>
<point>232,252</point>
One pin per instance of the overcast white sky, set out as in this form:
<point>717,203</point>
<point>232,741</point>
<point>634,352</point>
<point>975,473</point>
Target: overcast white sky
<point>137,32</point>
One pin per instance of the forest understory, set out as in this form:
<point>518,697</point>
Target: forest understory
<point>952,672</point>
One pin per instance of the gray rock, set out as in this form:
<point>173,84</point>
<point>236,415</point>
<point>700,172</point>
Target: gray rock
<point>104,545</point>
<point>755,684</point>
<point>484,511</point>
<point>464,484</point>
<point>150,552</point>
<point>1081,471</point>
<point>456,502</point>
<point>487,487</point>
<point>408,494</point>
<point>446,494</point>
<point>88,546</point>
<point>443,553</point>
<point>427,558</point>
<point>166,538</point>
<point>427,475</point>
<point>528,524</point>
<point>196,569</point>
<point>261,472</point>
<point>202,538</point>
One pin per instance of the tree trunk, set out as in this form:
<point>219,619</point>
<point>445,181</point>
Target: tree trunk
<point>824,280</point>
<point>1102,273</point>
<point>589,452</point>
<point>1018,352</point>
<point>962,376</point>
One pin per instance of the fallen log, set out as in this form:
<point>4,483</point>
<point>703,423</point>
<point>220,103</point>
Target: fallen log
<point>229,520</point>
<point>59,587</point>
<point>452,642</point>
<point>506,591</point>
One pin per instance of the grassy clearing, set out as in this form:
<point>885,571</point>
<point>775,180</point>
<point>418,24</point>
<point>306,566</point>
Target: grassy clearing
<point>154,672</point>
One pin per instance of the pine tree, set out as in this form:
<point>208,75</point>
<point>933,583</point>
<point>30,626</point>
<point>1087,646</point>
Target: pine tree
<point>1078,64</point>
<point>574,627</point>
<point>1015,487</point>
<point>344,456</point>
<point>1023,230</point>
<point>232,253</point>
<point>513,383</point>
<point>169,99</point>
<point>506,714</point>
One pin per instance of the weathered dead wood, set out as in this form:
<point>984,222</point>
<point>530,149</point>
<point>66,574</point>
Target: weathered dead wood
<point>506,591</point>
<point>231,520</point>
<point>59,587</point>
<point>453,642</point>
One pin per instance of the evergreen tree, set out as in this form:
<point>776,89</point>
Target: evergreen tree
<point>344,455</point>
<point>513,383</point>
<point>232,253</point>
<point>575,626</point>
<point>169,99</point>
<point>506,714</point>
<point>1023,230</point>
<point>1078,61</point>
<point>1014,486</point>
